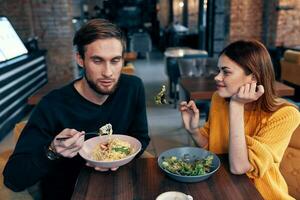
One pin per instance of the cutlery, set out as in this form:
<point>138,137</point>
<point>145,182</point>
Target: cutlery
<point>67,137</point>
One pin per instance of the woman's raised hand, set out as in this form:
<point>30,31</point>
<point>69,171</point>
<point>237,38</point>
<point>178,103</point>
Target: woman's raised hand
<point>190,116</point>
<point>248,93</point>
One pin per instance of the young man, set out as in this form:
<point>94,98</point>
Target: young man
<point>101,96</point>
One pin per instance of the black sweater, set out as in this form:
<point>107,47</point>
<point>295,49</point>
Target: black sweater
<point>64,108</point>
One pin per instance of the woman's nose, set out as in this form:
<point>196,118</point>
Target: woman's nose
<point>218,77</point>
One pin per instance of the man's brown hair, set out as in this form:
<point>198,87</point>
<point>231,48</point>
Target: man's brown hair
<point>97,29</point>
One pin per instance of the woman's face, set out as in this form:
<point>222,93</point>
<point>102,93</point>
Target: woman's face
<point>230,77</point>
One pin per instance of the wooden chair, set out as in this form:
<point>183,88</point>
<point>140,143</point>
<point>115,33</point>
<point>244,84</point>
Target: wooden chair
<point>130,56</point>
<point>6,193</point>
<point>290,67</point>
<point>290,165</point>
<point>18,129</point>
<point>128,69</point>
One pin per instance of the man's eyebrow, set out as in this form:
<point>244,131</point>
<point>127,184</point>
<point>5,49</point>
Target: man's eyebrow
<point>100,58</point>
<point>117,57</point>
<point>96,57</point>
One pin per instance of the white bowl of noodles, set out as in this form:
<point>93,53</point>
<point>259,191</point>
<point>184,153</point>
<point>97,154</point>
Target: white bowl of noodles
<point>110,151</point>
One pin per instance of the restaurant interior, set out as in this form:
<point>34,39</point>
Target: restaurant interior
<point>175,43</point>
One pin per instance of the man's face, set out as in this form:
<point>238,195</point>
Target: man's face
<point>102,64</point>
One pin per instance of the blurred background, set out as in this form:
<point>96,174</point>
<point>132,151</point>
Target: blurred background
<point>169,42</point>
<point>164,39</point>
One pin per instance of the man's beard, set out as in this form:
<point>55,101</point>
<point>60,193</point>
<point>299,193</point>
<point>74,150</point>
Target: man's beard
<point>98,90</point>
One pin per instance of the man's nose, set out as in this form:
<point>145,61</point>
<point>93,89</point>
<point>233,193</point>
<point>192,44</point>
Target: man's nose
<point>108,71</point>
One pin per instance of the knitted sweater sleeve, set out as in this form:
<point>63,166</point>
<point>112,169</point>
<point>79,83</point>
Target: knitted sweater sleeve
<point>268,145</point>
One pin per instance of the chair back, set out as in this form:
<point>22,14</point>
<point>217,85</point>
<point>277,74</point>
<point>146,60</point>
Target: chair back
<point>128,69</point>
<point>141,42</point>
<point>18,129</point>
<point>197,67</point>
<point>290,67</point>
<point>289,166</point>
<point>187,67</point>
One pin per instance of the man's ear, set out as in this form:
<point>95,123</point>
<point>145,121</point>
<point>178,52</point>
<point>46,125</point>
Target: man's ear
<point>79,60</point>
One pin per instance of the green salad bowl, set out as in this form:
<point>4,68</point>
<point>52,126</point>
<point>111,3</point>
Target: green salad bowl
<point>189,154</point>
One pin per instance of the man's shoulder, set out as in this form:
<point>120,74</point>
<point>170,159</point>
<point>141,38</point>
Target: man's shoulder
<point>59,93</point>
<point>126,79</point>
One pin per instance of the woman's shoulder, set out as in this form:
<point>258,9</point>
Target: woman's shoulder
<point>287,111</point>
<point>288,108</point>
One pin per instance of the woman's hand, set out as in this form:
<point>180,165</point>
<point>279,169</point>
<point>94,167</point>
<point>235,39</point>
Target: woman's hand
<point>190,116</point>
<point>248,93</point>
<point>68,147</point>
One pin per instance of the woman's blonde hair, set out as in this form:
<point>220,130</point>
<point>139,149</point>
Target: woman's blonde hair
<point>254,58</point>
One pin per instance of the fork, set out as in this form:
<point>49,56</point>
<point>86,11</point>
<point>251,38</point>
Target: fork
<point>67,137</point>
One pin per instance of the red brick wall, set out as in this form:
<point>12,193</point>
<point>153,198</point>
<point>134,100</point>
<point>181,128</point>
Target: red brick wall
<point>19,14</point>
<point>245,19</point>
<point>281,27</point>
<point>162,14</point>
<point>53,25</point>
<point>51,22</point>
<point>288,25</point>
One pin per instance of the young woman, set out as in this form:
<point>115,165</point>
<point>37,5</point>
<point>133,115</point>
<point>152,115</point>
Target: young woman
<point>247,120</point>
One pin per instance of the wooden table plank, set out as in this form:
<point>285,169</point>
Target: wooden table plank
<point>142,179</point>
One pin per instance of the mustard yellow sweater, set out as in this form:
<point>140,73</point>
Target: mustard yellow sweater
<point>267,137</point>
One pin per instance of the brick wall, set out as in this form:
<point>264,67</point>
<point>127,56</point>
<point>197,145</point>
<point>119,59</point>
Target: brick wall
<point>245,19</point>
<point>53,25</point>
<point>19,14</point>
<point>288,24</point>
<point>51,22</point>
<point>262,20</point>
<point>163,15</point>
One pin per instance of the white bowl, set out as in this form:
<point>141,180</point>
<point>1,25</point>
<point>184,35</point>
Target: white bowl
<point>174,195</point>
<point>90,144</point>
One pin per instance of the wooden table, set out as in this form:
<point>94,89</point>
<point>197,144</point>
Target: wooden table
<point>203,88</point>
<point>142,179</point>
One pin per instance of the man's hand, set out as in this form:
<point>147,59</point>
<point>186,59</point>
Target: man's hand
<point>70,147</point>
<point>190,116</point>
<point>101,168</point>
<point>248,93</point>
